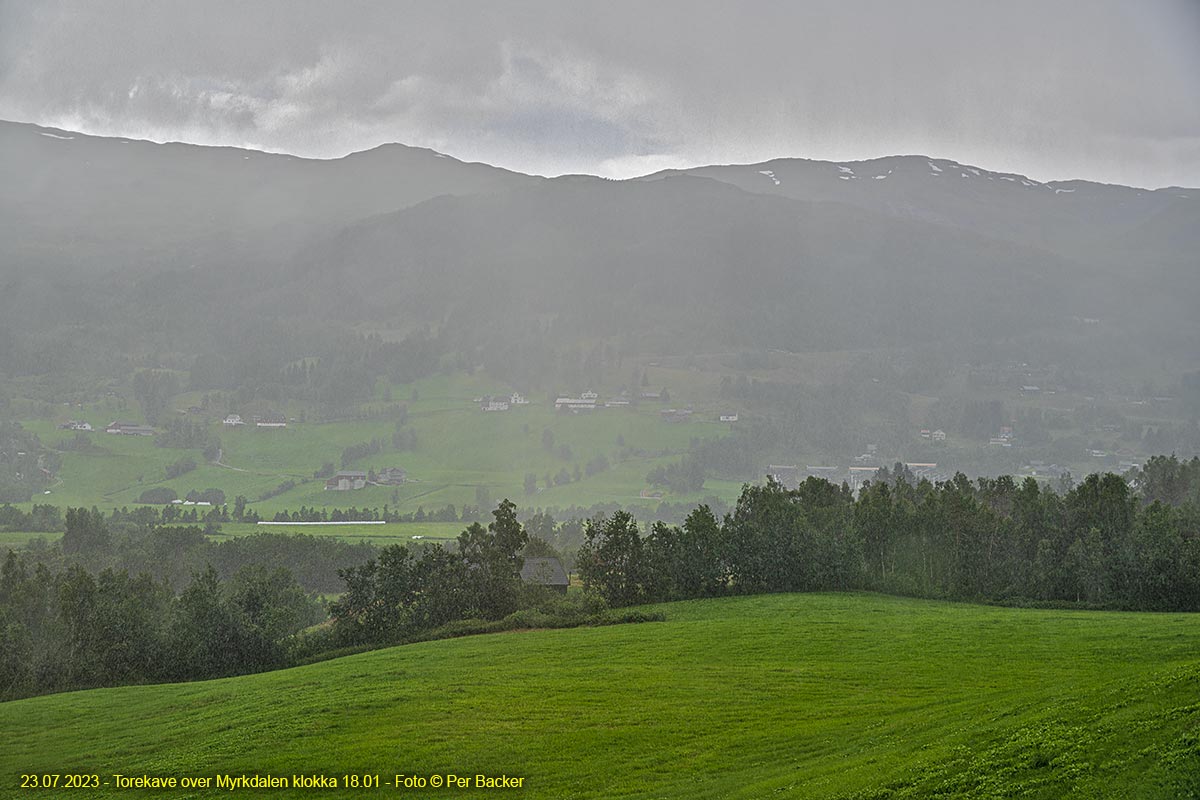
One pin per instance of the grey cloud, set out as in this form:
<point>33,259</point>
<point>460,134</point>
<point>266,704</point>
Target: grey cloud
<point>1099,89</point>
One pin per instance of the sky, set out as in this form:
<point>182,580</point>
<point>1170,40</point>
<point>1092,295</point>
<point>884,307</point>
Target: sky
<point>1105,90</point>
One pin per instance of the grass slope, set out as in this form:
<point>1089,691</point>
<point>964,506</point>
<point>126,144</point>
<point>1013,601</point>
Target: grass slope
<point>806,696</point>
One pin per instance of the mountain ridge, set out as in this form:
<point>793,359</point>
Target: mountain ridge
<point>792,252</point>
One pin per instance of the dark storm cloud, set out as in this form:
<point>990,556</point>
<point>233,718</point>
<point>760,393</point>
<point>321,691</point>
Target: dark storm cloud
<point>1100,89</point>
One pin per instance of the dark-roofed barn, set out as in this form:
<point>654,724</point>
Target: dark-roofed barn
<point>547,572</point>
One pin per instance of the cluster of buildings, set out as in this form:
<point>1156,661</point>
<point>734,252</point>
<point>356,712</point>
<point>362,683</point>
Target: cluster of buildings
<point>590,401</point>
<point>75,425</point>
<point>585,402</point>
<point>501,403</point>
<point>349,479</point>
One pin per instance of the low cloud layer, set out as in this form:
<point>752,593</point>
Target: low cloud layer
<point>1097,89</point>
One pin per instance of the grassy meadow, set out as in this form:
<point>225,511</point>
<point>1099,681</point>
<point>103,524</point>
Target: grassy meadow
<point>796,696</point>
<point>458,449</point>
<point>399,533</point>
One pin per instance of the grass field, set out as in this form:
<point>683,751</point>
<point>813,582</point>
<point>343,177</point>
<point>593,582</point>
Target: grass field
<point>795,696</point>
<point>459,448</point>
<point>380,534</point>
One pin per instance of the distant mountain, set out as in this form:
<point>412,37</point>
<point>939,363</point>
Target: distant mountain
<point>686,260</point>
<point>789,253</point>
<point>1141,245</point>
<point>1066,216</point>
<point>68,200</point>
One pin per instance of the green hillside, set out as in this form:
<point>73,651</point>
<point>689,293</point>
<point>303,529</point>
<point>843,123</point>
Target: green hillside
<point>807,696</point>
<point>458,449</point>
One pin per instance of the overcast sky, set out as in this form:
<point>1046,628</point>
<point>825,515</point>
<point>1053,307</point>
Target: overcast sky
<point>1055,89</point>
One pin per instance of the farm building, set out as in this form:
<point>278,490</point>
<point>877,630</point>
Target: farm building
<point>391,476</point>
<point>546,572</point>
<point>346,480</point>
<point>233,419</point>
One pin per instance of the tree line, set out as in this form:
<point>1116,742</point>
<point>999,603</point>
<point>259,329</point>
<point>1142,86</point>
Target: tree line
<point>198,609</point>
<point>125,599</point>
<point>1101,544</point>
<point>63,629</point>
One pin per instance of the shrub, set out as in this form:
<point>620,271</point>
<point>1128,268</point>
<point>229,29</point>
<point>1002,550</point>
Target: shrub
<point>158,495</point>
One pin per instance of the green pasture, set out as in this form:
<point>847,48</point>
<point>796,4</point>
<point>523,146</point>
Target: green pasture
<point>790,696</point>
<point>402,533</point>
<point>459,448</point>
